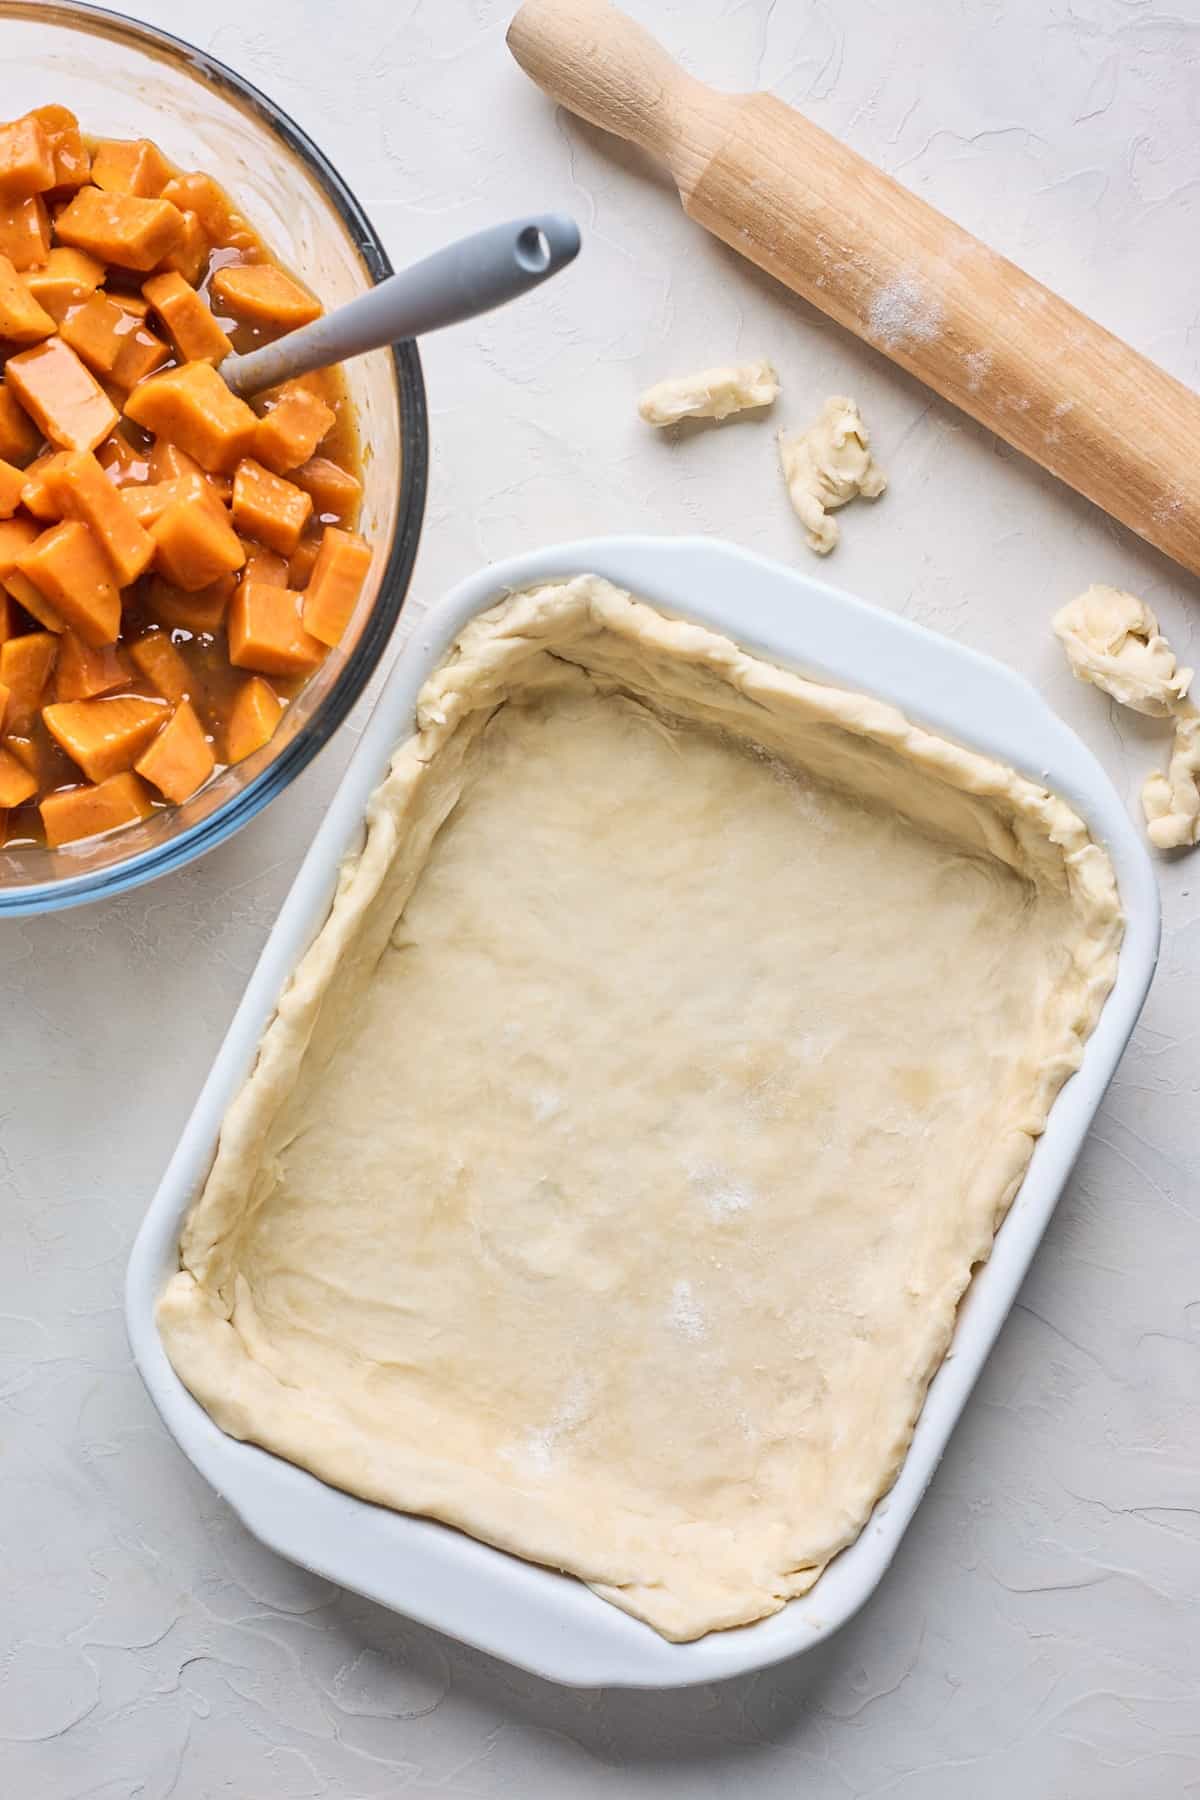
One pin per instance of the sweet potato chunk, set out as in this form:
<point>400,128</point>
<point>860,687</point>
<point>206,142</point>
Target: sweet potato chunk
<point>180,759</point>
<point>84,492</point>
<point>67,565</point>
<point>19,436</point>
<point>194,545</point>
<point>255,713</point>
<point>72,164</point>
<point>83,812</point>
<point>335,583</point>
<point>34,602</point>
<point>193,407</point>
<point>17,784</point>
<point>335,492</point>
<point>120,228</point>
<point>201,613</point>
<point>268,508</point>
<point>261,294</point>
<point>264,565</point>
<point>81,672</point>
<point>189,255</point>
<point>190,325</point>
<point>122,464</point>
<point>26,159</point>
<point>130,166</point>
<point>301,562</point>
<point>36,494</point>
<point>22,320</point>
<point>150,501</point>
<point>107,735</point>
<point>16,535</point>
<point>265,632</point>
<point>3,704</point>
<point>60,396</point>
<point>25,665</point>
<point>223,225</point>
<point>11,482</point>
<point>24,231</point>
<point>111,339</point>
<point>290,432</point>
<point>160,663</point>
<point>65,279</point>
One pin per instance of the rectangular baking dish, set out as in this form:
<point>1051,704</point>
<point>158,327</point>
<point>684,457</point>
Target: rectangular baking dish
<point>543,1621</point>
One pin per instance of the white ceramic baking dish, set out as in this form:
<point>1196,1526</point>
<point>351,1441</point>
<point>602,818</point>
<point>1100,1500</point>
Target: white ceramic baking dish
<point>532,1616</point>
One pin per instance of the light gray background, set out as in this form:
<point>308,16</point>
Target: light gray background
<point>1039,1631</point>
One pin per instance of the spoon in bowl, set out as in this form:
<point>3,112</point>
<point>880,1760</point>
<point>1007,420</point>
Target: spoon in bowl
<point>466,278</point>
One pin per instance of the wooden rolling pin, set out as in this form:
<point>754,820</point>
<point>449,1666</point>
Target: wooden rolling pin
<point>831,226</point>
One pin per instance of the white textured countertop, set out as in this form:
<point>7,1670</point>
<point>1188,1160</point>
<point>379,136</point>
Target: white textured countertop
<point>1039,1633</point>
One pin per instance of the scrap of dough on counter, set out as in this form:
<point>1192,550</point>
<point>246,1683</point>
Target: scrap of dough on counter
<point>827,466</point>
<point>624,1225</point>
<point>710,394</point>
<point>1112,640</point>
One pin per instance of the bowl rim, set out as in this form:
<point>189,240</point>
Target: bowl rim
<point>147,865</point>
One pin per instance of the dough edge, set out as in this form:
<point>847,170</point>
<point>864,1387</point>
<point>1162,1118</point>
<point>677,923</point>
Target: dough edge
<point>250,1403</point>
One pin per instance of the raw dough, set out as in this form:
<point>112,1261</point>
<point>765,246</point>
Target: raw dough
<point>612,1170</point>
<point>827,466</point>
<point>1171,802</point>
<point>710,394</point>
<point>1112,640</point>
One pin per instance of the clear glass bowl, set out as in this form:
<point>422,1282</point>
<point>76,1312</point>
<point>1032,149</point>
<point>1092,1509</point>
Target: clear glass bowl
<point>126,80</point>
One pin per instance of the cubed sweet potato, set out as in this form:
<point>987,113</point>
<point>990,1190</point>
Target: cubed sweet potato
<point>22,320</point>
<point>17,784</point>
<point>260,294</point>
<point>335,492</point>
<point>150,501</point>
<point>190,325</point>
<point>120,228</point>
<point>84,492</point>
<point>37,496</point>
<point>289,434</point>
<point>121,462</point>
<point>189,255</point>
<point>224,226</point>
<point>255,713</point>
<point>25,665</point>
<point>72,164</point>
<point>34,602</point>
<point>16,535</point>
<point>194,545</point>
<point>160,663</point>
<point>61,397</point>
<point>265,632</point>
<point>19,436</point>
<point>264,565</point>
<point>106,735</point>
<point>202,613</point>
<point>83,812</point>
<point>26,159</point>
<point>180,758</point>
<point>302,560</point>
<point>193,407</point>
<point>66,279</point>
<point>67,565</point>
<point>81,672</point>
<point>130,166</point>
<point>335,583</point>
<point>12,480</point>
<point>268,508</point>
<point>24,232</point>
<point>112,340</point>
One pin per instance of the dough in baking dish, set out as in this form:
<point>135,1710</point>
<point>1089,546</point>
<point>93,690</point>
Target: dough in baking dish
<point>619,1153</point>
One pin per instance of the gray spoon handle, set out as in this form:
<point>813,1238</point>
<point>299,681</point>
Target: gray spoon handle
<point>470,277</point>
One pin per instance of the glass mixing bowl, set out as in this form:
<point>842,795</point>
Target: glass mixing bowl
<point>126,80</point>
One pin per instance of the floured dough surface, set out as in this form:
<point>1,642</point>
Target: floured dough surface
<point>619,1154</point>
<point>710,393</point>
<point>826,467</point>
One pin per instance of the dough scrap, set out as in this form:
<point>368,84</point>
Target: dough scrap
<point>827,466</point>
<point>1171,802</point>
<point>610,1174</point>
<point>710,394</point>
<point>1112,640</point>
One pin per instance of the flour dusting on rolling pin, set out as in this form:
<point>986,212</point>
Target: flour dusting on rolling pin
<point>886,265</point>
